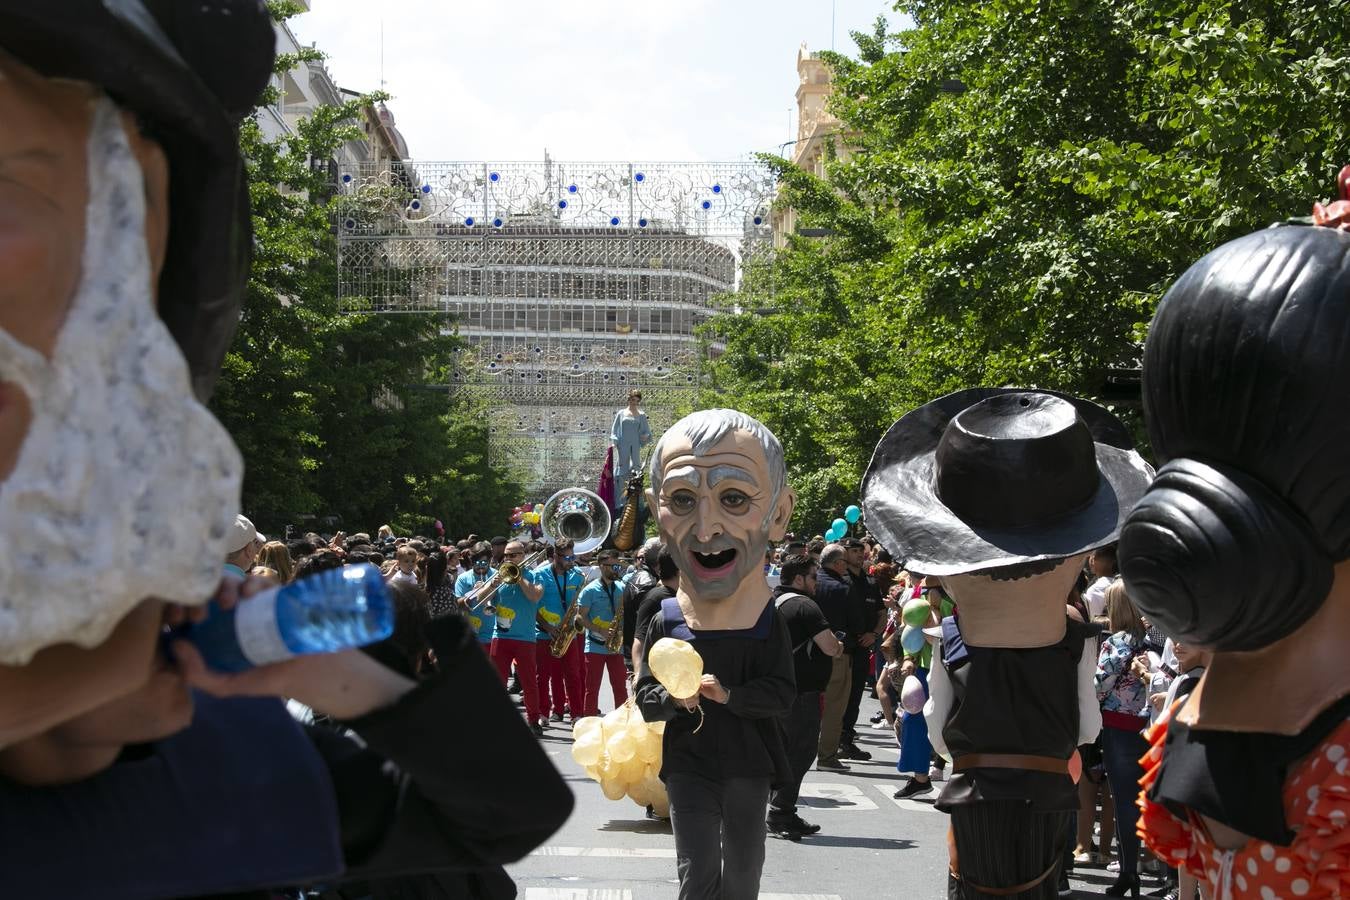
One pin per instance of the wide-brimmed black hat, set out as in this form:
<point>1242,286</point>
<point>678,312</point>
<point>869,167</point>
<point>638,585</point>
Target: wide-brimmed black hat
<point>190,71</point>
<point>992,477</point>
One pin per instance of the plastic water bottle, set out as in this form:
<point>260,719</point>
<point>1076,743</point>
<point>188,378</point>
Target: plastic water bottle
<point>334,610</point>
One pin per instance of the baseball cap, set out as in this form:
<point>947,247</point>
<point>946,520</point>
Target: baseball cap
<point>240,535</point>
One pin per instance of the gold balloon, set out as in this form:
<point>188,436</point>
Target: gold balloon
<point>677,665</point>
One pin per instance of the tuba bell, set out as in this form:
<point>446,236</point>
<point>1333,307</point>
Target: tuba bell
<point>577,514</point>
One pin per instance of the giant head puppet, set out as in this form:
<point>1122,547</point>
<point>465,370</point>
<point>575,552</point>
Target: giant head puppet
<point>124,248</point>
<point>719,488</point>
<point>1002,493</point>
<point>1242,546</point>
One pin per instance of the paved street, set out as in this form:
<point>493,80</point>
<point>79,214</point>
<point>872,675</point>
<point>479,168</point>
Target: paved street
<point>870,845</point>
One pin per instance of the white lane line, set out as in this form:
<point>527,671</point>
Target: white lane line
<point>537,893</point>
<point>834,796</point>
<point>800,897</point>
<point>925,805</point>
<point>609,852</point>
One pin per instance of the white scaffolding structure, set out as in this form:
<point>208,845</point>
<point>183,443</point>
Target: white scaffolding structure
<point>570,284</point>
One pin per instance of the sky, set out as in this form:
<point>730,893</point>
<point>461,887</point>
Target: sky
<point>586,80</point>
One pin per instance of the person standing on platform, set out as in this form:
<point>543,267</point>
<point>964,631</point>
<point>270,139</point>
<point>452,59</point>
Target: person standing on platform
<point>513,637</point>
<point>601,601</point>
<point>560,680</point>
<point>629,433</point>
<point>719,487</point>
<point>814,646</point>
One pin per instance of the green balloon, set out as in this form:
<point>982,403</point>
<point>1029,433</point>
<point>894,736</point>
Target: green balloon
<point>916,612</point>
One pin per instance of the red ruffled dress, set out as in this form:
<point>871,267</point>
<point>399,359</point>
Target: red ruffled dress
<point>1316,807</point>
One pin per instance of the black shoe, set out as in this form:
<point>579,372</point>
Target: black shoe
<point>1125,884</point>
<point>877,716</point>
<point>557,717</point>
<point>515,688</point>
<point>831,765</point>
<point>913,788</point>
<point>851,750</point>
<point>783,831</point>
<point>802,826</point>
<point>537,729</point>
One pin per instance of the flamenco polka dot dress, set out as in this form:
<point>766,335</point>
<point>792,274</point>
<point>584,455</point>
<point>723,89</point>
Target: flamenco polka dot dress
<point>1317,807</point>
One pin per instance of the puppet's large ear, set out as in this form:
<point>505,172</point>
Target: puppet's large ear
<point>782,514</point>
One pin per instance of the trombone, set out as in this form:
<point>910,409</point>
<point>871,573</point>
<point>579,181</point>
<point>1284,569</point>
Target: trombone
<point>507,573</point>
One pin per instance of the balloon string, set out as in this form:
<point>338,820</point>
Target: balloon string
<point>700,718</point>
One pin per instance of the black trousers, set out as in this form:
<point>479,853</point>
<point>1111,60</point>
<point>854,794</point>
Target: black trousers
<point>801,733</point>
<point>1004,843</point>
<point>862,658</point>
<point>719,835</point>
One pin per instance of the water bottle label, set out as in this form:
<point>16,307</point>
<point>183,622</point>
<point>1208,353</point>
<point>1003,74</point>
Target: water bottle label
<point>255,626</point>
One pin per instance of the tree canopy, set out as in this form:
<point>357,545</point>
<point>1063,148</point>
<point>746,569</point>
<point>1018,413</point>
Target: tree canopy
<point>1017,183</point>
<point>332,410</point>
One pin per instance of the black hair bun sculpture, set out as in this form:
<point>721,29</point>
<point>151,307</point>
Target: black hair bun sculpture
<point>1247,399</point>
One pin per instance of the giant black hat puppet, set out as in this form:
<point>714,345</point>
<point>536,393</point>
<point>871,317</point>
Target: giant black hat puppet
<point>1242,546</point>
<point>124,248</point>
<point>1003,492</point>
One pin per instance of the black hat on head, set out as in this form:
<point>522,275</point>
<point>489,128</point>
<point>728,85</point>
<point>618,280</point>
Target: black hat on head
<point>190,71</point>
<point>993,477</point>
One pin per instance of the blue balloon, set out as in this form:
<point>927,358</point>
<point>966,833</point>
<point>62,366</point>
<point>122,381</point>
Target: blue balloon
<point>831,535</point>
<point>912,639</point>
<point>841,526</point>
<point>852,514</point>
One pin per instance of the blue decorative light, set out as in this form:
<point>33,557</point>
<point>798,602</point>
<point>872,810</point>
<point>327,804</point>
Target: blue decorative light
<point>496,223</point>
<point>642,223</point>
<point>614,220</point>
<point>494,177</point>
<point>707,204</point>
<point>415,205</point>
<point>349,224</point>
<point>759,220</point>
<point>426,189</point>
<point>562,204</point>
<point>717,189</point>
<point>469,221</point>
<point>571,189</point>
<point>639,177</point>
<point>346,178</point>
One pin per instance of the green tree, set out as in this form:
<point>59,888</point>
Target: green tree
<point>336,412</point>
<point>1025,179</point>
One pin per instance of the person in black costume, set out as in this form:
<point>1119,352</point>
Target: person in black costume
<point>1002,493</point>
<point>720,490</point>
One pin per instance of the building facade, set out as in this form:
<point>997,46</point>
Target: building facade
<point>570,284</point>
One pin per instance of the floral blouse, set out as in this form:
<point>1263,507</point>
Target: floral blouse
<point>1118,688</point>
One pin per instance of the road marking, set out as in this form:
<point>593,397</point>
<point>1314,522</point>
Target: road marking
<point>911,805</point>
<point>800,897</point>
<point>609,852</point>
<point>834,796</point>
<point>579,894</point>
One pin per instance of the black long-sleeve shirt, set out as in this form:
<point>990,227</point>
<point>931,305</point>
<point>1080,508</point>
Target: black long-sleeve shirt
<point>837,600</point>
<point>739,739</point>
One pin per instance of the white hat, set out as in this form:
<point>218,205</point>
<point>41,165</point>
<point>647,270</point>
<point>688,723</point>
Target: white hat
<point>241,534</point>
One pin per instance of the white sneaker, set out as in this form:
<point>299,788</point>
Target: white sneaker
<point>1113,866</point>
<point>880,725</point>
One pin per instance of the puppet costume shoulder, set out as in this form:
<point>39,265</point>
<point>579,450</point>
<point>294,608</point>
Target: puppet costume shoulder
<point>1315,801</point>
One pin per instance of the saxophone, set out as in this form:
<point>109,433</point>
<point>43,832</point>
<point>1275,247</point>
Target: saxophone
<point>625,533</point>
<point>570,626</point>
<point>614,639</point>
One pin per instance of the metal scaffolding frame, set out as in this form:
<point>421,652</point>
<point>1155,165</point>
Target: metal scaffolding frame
<point>570,283</point>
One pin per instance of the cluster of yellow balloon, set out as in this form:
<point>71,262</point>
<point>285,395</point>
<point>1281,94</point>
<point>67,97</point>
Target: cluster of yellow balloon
<point>622,751</point>
<point>623,754</point>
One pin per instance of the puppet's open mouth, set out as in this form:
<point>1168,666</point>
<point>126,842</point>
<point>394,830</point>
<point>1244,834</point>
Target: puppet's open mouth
<point>714,562</point>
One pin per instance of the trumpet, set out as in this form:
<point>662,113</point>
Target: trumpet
<point>507,573</point>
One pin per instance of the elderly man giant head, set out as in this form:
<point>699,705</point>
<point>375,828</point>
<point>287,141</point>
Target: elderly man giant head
<point>124,248</point>
<point>719,487</point>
